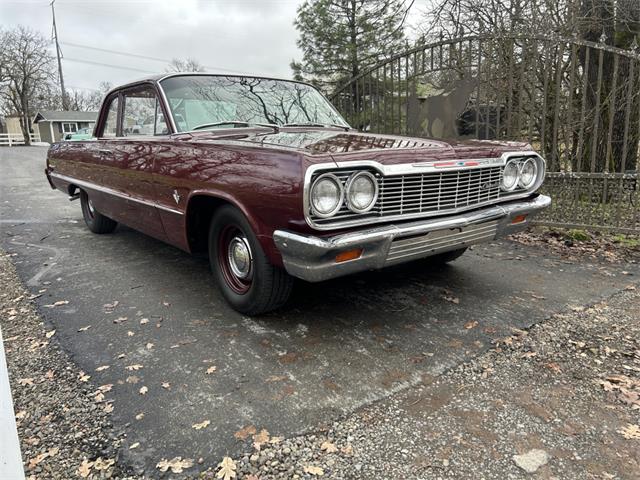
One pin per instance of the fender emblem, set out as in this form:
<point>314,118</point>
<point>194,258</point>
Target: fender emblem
<point>176,196</point>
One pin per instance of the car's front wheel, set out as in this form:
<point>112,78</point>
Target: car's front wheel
<point>244,275</point>
<point>96,222</point>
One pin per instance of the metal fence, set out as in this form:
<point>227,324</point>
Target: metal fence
<point>576,102</point>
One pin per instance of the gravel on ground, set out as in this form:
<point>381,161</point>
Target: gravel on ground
<point>560,400</point>
<point>62,417</point>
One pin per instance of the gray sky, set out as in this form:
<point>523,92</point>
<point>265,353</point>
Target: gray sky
<point>245,36</point>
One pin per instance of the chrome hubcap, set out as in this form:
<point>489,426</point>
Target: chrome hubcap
<point>92,210</point>
<point>240,257</point>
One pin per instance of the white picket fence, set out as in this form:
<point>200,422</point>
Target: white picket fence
<point>10,139</point>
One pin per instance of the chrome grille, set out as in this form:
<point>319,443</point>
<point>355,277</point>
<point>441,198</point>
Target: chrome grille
<point>424,193</point>
<point>406,249</point>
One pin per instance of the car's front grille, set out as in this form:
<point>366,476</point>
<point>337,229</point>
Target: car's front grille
<point>406,249</point>
<point>429,193</point>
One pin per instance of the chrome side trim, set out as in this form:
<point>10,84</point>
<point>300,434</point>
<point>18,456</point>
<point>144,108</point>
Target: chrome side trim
<point>313,258</point>
<point>414,168</point>
<point>115,193</point>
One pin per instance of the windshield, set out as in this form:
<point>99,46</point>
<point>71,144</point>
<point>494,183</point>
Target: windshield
<point>203,101</point>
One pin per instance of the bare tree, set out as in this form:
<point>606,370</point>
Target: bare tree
<point>25,65</point>
<point>88,101</point>
<point>185,65</point>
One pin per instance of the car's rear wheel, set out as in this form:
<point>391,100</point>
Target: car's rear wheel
<point>244,275</point>
<point>96,222</point>
<point>447,257</point>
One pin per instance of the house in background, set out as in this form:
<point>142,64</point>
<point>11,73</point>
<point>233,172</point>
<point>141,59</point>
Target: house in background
<point>54,125</point>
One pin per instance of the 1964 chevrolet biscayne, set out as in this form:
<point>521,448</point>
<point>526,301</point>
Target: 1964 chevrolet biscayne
<point>268,178</point>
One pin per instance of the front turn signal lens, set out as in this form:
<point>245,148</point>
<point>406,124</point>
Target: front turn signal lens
<point>349,255</point>
<point>518,219</point>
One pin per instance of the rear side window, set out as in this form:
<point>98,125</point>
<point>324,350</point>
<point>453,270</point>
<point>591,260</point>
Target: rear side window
<point>111,123</point>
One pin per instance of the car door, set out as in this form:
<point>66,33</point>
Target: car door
<point>128,159</point>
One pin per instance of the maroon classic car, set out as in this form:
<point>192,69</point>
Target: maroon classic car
<point>269,179</point>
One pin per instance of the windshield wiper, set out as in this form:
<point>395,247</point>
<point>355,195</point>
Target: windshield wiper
<point>234,122</point>
<point>311,124</point>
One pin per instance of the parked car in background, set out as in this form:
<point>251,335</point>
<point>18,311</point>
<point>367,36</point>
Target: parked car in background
<point>82,134</point>
<point>269,179</point>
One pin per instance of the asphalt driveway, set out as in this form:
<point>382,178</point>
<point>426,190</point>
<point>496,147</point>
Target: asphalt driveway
<point>154,318</point>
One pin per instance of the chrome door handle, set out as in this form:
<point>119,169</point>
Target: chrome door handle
<point>105,151</point>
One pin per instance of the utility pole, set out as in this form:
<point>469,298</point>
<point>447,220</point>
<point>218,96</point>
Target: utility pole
<point>65,100</point>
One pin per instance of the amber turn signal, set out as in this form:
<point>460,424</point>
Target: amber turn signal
<point>348,255</point>
<point>518,219</point>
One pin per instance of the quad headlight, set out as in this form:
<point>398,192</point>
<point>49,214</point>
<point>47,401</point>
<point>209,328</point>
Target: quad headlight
<point>528,173</point>
<point>326,195</point>
<point>520,173</point>
<point>362,192</point>
<point>510,176</point>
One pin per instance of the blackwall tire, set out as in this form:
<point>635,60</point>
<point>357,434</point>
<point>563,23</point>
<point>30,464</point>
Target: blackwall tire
<point>96,222</point>
<point>246,279</point>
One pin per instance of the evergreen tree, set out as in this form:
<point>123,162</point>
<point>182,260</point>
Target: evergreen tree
<point>341,38</point>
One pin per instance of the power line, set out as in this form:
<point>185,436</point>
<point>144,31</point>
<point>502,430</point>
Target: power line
<point>121,67</point>
<point>145,57</point>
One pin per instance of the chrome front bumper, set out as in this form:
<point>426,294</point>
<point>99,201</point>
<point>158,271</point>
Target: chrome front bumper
<point>313,258</point>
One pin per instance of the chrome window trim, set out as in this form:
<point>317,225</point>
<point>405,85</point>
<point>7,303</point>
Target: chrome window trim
<point>412,168</point>
<point>109,191</point>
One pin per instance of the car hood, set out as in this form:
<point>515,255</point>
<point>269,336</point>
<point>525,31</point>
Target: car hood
<point>351,145</point>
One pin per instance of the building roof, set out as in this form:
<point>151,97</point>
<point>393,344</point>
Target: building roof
<point>65,116</point>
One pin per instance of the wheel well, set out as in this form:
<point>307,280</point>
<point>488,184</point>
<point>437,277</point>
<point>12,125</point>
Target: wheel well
<point>72,190</point>
<point>199,212</point>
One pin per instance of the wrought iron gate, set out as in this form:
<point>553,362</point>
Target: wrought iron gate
<point>576,102</point>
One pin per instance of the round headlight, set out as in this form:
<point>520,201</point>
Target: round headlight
<point>510,176</point>
<point>326,195</point>
<point>528,173</point>
<point>362,192</point>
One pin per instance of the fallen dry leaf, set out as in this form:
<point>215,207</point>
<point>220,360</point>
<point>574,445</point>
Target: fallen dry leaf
<point>120,320</point>
<point>347,450</point>
<point>149,346</point>
<point>99,397</point>
<point>243,433</point>
<point>144,321</point>
<point>553,366</point>
<point>227,469</point>
<point>166,386</point>
<point>58,303</point>
<point>177,464</point>
<point>83,377</point>
<point>143,390</point>
<point>21,414</point>
<point>140,416</point>
<point>106,388</point>
<point>103,367</point>
<point>132,379</point>
<point>135,367</point>
<point>211,369</point>
<point>200,426</point>
<point>471,324</point>
<point>134,445</point>
<point>84,329</point>
<point>312,470</point>
<point>49,374</point>
<point>108,408</point>
<point>630,432</point>
<point>328,447</point>
<point>25,381</point>
<point>50,334</point>
<point>105,464</point>
<point>85,468</point>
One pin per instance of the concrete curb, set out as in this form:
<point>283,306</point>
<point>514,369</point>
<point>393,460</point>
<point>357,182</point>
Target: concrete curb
<point>10,457</point>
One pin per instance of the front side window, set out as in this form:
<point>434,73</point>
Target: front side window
<point>111,122</point>
<point>208,101</point>
<point>142,114</point>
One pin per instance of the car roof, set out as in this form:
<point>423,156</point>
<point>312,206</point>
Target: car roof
<point>157,78</point>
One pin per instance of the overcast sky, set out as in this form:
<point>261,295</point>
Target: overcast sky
<point>244,36</point>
